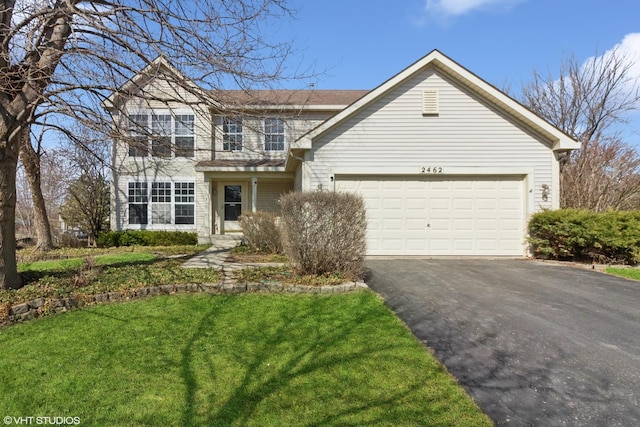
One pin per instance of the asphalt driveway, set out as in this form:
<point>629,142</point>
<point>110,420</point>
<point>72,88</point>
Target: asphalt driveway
<point>533,343</point>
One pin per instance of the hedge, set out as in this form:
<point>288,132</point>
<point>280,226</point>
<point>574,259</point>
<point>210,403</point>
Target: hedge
<point>261,231</point>
<point>146,238</point>
<point>608,237</point>
<point>325,233</point>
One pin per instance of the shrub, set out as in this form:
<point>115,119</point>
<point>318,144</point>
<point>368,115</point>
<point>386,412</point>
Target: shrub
<point>69,240</point>
<point>261,232</point>
<point>612,237</point>
<point>324,233</point>
<point>146,238</point>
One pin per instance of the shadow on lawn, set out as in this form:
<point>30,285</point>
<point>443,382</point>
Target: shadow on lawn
<point>312,356</point>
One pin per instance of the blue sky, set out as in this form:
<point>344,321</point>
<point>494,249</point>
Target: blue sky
<point>360,44</point>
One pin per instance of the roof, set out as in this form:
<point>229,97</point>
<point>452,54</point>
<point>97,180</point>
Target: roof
<point>160,65</point>
<point>241,163</point>
<point>258,99</point>
<point>308,98</point>
<point>246,165</point>
<point>560,140</point>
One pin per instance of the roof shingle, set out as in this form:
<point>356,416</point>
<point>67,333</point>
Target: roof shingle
<point>288,97</point>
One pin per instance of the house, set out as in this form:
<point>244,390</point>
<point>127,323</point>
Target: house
<point>447,164</point>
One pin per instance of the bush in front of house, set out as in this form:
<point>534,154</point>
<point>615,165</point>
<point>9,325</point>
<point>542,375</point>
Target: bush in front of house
<point>608,237</point>
<point>261,232</point>
<point>325,233</point>
<point>146,238</point>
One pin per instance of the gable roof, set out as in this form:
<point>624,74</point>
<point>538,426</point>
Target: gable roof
<point>561,141</point>
<point>159,66</point>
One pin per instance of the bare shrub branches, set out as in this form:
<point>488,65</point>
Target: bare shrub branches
<point>261,232</point>
<point>590,102</point>
<point>324,233</point>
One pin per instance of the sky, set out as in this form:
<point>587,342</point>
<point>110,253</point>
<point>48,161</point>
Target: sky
<point>358,44</point>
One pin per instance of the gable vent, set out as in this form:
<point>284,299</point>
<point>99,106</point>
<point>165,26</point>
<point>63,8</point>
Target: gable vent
<point>430,105</point>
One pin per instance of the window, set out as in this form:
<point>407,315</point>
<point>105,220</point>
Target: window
<point>138,131</point>
<point>231,134</point>
<point>163,134</point>
<point>168,203</point>
<point>184,207</point>
<point>138,202</point>
<point>274,135</point>
<point>185,136</point>
<point>161,203</point>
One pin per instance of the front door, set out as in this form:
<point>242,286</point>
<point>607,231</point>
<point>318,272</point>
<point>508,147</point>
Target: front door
<point>232,207</point>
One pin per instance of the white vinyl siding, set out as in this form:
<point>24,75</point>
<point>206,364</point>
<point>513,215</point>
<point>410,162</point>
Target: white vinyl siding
<point>259,141</point>
<point>269,193</point>
<point>468,133</point>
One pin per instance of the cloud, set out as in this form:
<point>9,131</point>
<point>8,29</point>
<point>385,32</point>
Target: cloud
<point>628,50</point>
<point>461,7</point>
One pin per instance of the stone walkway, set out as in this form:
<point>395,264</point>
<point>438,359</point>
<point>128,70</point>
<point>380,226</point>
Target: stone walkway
<point>215,256</point>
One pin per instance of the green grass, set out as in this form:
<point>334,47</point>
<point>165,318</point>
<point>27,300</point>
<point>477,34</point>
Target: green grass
<point>75,263</point>
<point>629,273</point>
<point>247,360</point>
<point>30,255</point>
<point>51,265</point>
<point>124,258</point>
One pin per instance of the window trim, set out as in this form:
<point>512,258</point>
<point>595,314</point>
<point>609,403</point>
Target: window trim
<point>136,198</point>
<point>238,123</point>
<point>279,122</point>
<point>147,131</point>
<point>161,195</point>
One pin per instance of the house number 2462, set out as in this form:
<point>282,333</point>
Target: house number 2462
<point>434,169</point>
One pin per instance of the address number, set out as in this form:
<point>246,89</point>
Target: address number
<point>434,169</point>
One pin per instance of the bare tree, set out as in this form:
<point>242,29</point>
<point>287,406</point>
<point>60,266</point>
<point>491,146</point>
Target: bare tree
<point>24,206</point>
<point>589,102</point>
<point>30,157</point>
<point>86,205</point>
<point>54,170</point>
<point>65,57</point>
<point>86,200</point>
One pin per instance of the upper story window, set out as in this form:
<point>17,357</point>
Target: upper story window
<point>273,134</point>
<point>138,135</point>
<point>231,134</point>
<point>184,135</point>
<point>161,135</point>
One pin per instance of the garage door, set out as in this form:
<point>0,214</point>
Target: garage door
<point>482,216</point>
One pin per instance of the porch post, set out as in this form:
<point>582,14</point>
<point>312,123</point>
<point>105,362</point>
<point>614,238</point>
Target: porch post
<point>254,193</point>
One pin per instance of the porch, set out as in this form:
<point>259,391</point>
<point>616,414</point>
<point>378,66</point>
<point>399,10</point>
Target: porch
<point>231,190</point>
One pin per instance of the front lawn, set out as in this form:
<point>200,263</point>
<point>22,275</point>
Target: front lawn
<point>250,360</point>
<point>82,272</point>
<point>629,273</point>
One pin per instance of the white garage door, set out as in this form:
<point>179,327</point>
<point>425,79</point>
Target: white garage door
<point>441,215</point>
